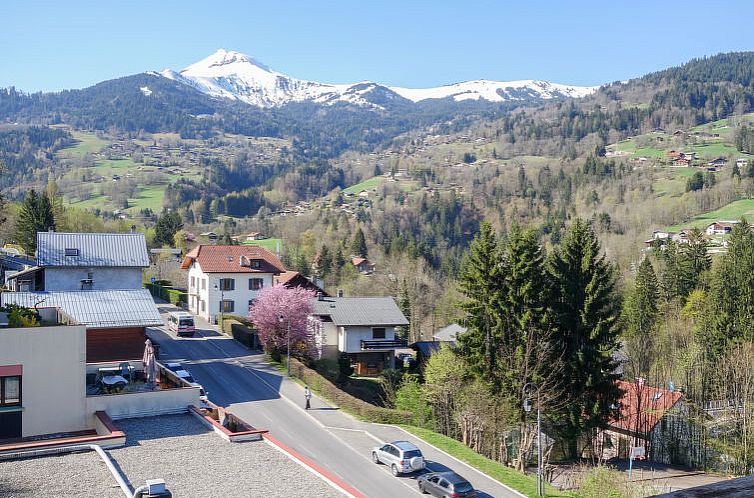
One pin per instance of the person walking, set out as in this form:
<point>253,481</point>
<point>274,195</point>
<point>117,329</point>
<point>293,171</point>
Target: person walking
<point>307,396</point>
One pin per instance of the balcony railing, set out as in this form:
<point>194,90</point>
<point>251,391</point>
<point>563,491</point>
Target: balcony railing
<point>383,344</point>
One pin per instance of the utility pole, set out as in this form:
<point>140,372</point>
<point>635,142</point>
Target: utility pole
<point>527,408</point>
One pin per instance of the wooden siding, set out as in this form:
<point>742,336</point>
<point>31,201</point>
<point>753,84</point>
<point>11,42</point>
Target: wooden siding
<point>126,343</point>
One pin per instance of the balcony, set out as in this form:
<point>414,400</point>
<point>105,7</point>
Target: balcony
<point>367,345</point>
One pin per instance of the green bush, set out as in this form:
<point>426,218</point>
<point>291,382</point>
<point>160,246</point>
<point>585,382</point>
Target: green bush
<point>163,290</point>
<point>344,400</point>
<point>239,331</point>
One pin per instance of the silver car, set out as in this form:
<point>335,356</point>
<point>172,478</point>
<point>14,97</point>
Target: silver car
<point>401,456</point>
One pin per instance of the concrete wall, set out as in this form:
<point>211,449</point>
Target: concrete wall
<point>104,278</point>
<point>349,338</point>
<point>240,295</point>
<point>144,404</point>
<point>53,386</point>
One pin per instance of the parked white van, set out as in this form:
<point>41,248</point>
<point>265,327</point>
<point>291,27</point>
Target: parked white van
<point>181,323</point>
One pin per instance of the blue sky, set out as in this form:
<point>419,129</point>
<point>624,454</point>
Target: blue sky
<point>54,44</point>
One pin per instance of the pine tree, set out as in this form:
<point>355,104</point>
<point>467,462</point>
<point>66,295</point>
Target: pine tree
<point>640,312</point>
<point>731,296</point>
<point>167,226</point>
<point>404,303</point>
<point>586,309</point>
<point>324,265</point>
<point>359,244</point>
<point>35,215</point>
<point>481,281</point>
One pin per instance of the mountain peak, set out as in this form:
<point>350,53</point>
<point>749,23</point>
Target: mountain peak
<point>224,61</point>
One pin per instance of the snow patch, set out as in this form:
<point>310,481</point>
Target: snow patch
<point>146,91</point>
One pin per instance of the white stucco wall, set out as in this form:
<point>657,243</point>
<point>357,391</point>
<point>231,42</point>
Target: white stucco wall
<point>349,338</point>
<point>104,278</point>
<point>144,404</point>
<point>53,386</point>
<point>240,295</point>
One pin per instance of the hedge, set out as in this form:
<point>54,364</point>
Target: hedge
<point>166,292</point>
<point>344,400</point>
<point>240,332</point>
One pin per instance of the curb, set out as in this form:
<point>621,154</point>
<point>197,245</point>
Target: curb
<point>316,469</point>
<point>456,459</point>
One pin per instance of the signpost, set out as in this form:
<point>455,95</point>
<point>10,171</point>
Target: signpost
<point>636,452</point>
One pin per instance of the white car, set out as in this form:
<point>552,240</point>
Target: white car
<point>403,457</point>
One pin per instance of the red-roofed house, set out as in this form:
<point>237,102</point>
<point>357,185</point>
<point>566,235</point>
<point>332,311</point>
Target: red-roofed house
<point>293,279</point>
<point>650,417</point>
<point>227,279</point>
<point>362,265</point>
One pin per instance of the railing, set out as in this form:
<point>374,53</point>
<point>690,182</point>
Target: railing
<point>383,344</point>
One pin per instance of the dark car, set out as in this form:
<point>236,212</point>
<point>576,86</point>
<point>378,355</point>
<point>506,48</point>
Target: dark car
<point>446,485</point>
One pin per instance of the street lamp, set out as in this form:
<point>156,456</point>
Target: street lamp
<point>222,304</point>
<point>527,408</point>
<point>281,318</point>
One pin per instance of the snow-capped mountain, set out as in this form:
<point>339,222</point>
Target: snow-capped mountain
<point>237,76</point>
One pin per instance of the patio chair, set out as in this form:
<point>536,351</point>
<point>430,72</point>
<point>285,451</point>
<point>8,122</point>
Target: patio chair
<point>125,371</point>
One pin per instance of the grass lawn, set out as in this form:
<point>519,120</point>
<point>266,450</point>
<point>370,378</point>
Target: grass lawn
<point>523,483</point>
<point>733,211</point>
<point>715,149</point>
<point>672,181</point>
<point>271,245</point>
<point>629,146</point>
<point>98,201</point>
<point>149,197</point>
<point>106,167</point>
<point>86,143</point>
<point>373,182</point>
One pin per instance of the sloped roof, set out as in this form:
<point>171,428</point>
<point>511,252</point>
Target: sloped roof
<point>358,261</point>
<point>94,249</point>
<point>95,308</point>
<point>642,407</point>
<point>360,311</point>
<point>449,333</point>
<point>227,259</point>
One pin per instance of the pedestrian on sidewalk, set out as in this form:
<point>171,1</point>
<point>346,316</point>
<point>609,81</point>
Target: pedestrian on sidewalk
<point>307,396</point>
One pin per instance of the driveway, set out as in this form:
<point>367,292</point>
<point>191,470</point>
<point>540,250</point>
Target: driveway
<point>242,381</point>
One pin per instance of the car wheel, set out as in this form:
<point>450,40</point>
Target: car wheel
<point>375,458</point>
<point>394,470</point>
<point>421,489</point>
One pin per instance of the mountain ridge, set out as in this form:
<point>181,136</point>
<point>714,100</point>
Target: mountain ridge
<point>237,76</point>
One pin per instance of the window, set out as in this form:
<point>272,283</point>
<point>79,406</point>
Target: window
<point>378,333</point>
<point>204,284</point>
<point>227,306</point>
<point>256,283</point>
<point>192,282</point>
<point>255,263</point>
<point>227,284</point>
<point>251,302</point>
<point>202,306</point>
<point>10,390</point>
<point>70,251</point>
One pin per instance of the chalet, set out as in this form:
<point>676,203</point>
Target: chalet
<point>362,327</point>
<point>210,236</point>
<point>449,333</point>
<point>227,279</point>
<point>674,155</point>
<point>84,261</point>
<point>362,265</point>
<point>652,418</point>
<point>742,162</point>
<point>293,279</point>
<point>718,162</point>
<point>255,236</point>
<point>719,228</point>
<point>679,133</point>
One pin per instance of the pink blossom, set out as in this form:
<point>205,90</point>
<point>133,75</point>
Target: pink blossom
<point>295,306</point>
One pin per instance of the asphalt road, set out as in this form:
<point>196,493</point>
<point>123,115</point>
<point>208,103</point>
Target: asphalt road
<point>242,381</point>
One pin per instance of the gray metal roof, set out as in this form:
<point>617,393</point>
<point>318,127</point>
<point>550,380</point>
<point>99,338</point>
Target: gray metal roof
<point>95,308</point>
<point>94,249</point>
<point>357,311</point>
<point>449,333</point>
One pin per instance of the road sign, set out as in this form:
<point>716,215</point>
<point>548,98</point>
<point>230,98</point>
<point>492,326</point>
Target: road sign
<point>153,280</point>
<point>637,452</point>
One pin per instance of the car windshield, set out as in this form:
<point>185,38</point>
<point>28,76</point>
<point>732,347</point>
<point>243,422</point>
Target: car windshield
<point>463,487</point>
<point>186,321</point>
<point>412,454</point>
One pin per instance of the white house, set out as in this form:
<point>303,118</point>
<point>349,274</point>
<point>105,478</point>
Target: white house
<point>84,261</point>
<point>227,279</point>
<point>363,327</point>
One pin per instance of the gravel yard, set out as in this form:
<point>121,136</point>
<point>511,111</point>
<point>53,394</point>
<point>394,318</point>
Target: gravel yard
<point>192,460</point>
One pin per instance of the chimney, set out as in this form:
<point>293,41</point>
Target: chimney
<point>133,228</point>
<point>340,292</point>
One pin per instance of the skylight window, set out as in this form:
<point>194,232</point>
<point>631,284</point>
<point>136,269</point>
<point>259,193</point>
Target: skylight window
<point>69,251</point>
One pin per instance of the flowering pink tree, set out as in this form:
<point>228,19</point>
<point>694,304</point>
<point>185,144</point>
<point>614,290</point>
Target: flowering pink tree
<point>294,305</point>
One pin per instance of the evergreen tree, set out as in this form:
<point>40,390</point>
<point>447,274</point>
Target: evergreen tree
<point>586,309</point>
<point>167,226</point>
<point>359,244</point>
<point>640,312</point>
<point>404,303</point>
<point>732,296</point>
<point>481,281</point>
<point>325,261</point>
<point>35,215</point>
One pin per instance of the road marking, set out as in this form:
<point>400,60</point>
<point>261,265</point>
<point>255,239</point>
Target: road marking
<point>380,441</point>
